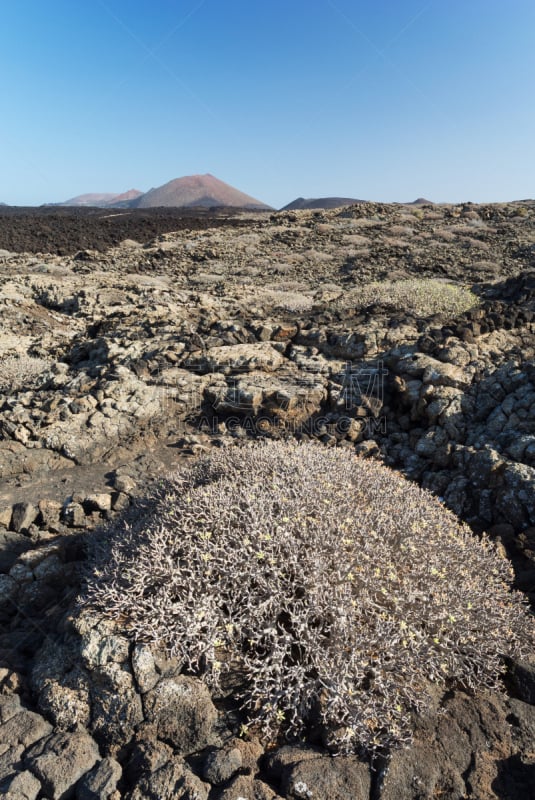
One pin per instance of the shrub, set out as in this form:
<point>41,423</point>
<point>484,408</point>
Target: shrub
<point>470,243</point>
<point>431,216</point>
<point>423,297</point>
<point>285,296</point>
<point>446,235</point>
<point>355,239</point>
<point>470,228</point>
<point>337,589</point>
<point>20,372</point>
<point>287,301</point>
<point>396,242</point>
<point>401,230</point>
<point>366,222</point>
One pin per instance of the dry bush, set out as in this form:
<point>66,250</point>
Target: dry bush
<point>286,286</point>
<point>407,217</point>
<point>355,239</point>
<point>469,229</point>
<point>248,239</point>
<point>297,258</point>
<point>493,267</point>
<point>422,236</point>
<point>21,372</point>
<point>446,235</point>
<point>328,292</point>
<point>366,222</point>
<point>318,256</point>
<point>249,272</point>
<point>400,230</point>
<point>395,241</point>
<point>335,588</point>
<point>280,268</point>
<point>207,277</point>
<point>325,228</point>
<point>358,252</point>
<point>422,297</point>
<point>476,244</point>
<point>479,224</point>
<point>285,299</point>
<point>471,215</point>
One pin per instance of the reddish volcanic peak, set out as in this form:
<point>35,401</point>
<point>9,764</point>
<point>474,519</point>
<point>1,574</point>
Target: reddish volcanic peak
<point>198,190</point>
<point>131,194</point>
<point>189,191</point>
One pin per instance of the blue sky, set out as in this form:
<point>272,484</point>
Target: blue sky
<point>375,99</point>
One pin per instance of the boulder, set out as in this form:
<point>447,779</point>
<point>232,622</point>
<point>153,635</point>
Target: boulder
<point>220,765</point>
<point>144,668</point>
<point>461,752</point>
<point>116,707</point>
<point>60,760</point>
<point>11,546</point>
<point>24,728</point>
<point>21,786</point>
<point>172,781</point>
<point>101,782</point>
<point>24,514</point>
<point>246,786</point>
<point>335,778</point>
<point>237,358</point>
<point>182,712</point>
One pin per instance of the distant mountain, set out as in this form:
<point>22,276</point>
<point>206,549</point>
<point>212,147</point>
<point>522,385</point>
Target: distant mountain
<point>421,201</point>
<point>188,192</point>
<point>93,199</point>
<point>3,204</point>
<point>103,199</point>
<point>303,203</point>
<point>125,197</point>
<point>197,190</point>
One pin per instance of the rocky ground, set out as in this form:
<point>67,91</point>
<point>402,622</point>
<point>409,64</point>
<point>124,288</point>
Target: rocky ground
<point>401,333</point>
<point>65,230</point>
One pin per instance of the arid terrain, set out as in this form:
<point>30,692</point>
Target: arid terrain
<point>133,341</point>
<point>66,230</point>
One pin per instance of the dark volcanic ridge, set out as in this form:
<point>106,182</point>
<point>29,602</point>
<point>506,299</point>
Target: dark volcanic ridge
<point>65,230</point>
<point>421,201</point>
<point>303,203</point>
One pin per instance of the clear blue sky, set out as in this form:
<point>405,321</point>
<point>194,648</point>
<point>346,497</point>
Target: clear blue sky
<point>375,99</point>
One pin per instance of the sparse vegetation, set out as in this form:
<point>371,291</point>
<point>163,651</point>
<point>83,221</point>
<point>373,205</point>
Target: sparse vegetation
<point>400,230</point>
<point>422,297</point>
<point>291,296</point>
<point>471,243</point>
<point>395,242</point>
<point>446,235</point>
<point>20,372</point>
<point>335,588</point>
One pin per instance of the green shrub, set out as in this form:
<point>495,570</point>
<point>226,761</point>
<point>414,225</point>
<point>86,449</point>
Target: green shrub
<point>336,588</point>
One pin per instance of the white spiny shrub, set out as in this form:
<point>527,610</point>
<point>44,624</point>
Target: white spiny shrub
<point>333,586</point>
